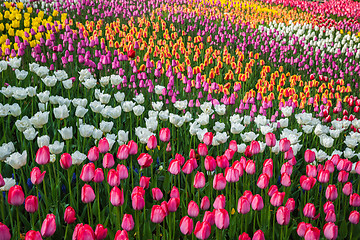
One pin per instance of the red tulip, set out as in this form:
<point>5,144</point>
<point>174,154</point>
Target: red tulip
<point>65,161</point>
<point>121,235</point>
<point>244,236</point>
<point>284,145</point>
<point>354,217</point>
<point>131,53</point>
<point>93,154</point>
<point>87,194</point>
<point>98,175</point>
<point>157,214</point>
<point>127,222</point>
<point>69,215</point>
<point>48,227</point>
<point>263,181</point>
<point>222,161</point>
<point>164,135</point>
<point>229,154</point>
<point>133,147</point>
<point>209,217</point>
<point>301,228</point>
<point>222,220</point>
<point>88,172</point>
<point>173,204</point>
<point>209,163</point>
<point>31,235</point>
<point>219,202</point>
<point>307,183</point>
<point>83,231</point>
<point>330,230</point>
<point>4,232</point>
<point>199,180</point>
<point>312,233</point>
<point>31,204</point>
<point>258,235</point>
<point>16,195</point>
<point>311,171</point>
<point>202,230</point>
<point>257,203</point>
<point>243,205</point>
<point>283,216</point>
<point>277,199</point>
<point>103,145</point>
<point>186,225</point>
<point>116,196</point>
<point>233,145</point>
<point>331,192</point>
<point>205,203</point>
<point>219,182</point>
<point>270,139</point>
<point>100,232</point>
<point>290,204</point>
<point>144,182</point>
<point>354,200</point>
<point>232,174</point>
<point>254,147</point>
<point>202,149</point>
<point>193,209</point>
<point>144,160</point>
<point>309,156</point>
<point>123,152</point>
<point>208,138</point>
<point>43,155</point>
<point>37,176</point>
<point>157,194</point>
<point>309,210</point>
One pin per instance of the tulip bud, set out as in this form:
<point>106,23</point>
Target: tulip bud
<point>164,135</point>
<point>65,161</point>
<point>157,214</point>
<point>69,215</point>
<point>354,217</point>
<point>43,155</point>
<point>103,146</point>
<point>87,194</point>
<point>4,232</point>
<point>32,235</point>
<point>16,195</point>
<point>270,139</point>
<point>100,232</point>
<point>144,182</point>
<point>152,142</point>
<point>123,152</point>
<point>157,194</point>
<point>173,204</point>
<point>257,203</point>
<point>330,230</point>
<point>31,204</point>
<point>205,203</point>
<point>222,220</point>
<point>116,196</point>
<point>127,222</point>
<point>48,227</point>
<point>186,225</point>
<point>283,216</point>
<point>199,180</point>
<point>37,176</point>
<point>93,154</point>
<point>193,209</point>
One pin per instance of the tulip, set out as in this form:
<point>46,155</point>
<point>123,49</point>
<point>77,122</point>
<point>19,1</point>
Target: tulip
<point>205,203</point>
<point>100,232</point>
<point>311,171</point>
<point>312,233</point>
<point>122,171</point>
<point>309,156</point>
<point>103,145</point>
<point>174,167</point>
<point>208,138</point>
<point>192,153</point>
<point>199,180</point>
<point>222,161</point>
<point>83,231</point>
<point>309,210</point>
<point>144,182</point>
<point>193,209</point>
<point>243,205</point>
<point>4,232</point>
<point>277,199</point>
<point>144,160</point>
<point>273,189</point>
<point>37,176</point>
<point>157,194</point>
<point>202,230</point>
<point>229,154</point>
<point>152,142</point>
<point>31,235</point>
<point>244,236</point>
<point>174,193</point>
<point>173,204</point>
<point>301,228</point>
<point>116,196</point>
<point>48,227</point>
<point>188,166</point>
<point>157,214</point>
<point>354,200</point>
<point>93,154</point>
<point>330,216</point>
<point>331,193</point>
<point>69,215</point>
<point>16,195</point>
<point>88,172</point>
<point>258,235</point>
<point>31,204</point>
<point>123,152</point>
<point>42,155</point>
<point>219,202</point>
<point>87,194</point>
<point>323,176</point>
<point>233,145</point>
<point>250,167</point>
<point>343,176</point>
<point>270,139</point>
<point>127,222</point>
<point>283,216</point>
<point>285,180</point>
<point>164,206</point>
<point>164,135</point>
<point>186,225</point>
<point>222,220</point>
<point>2,181</point>
<point>328,206</point>
<point>257,203</point>
<point>284,145</point>
<point>209,217</point>
<point>202,149</point>
<point>121,235</point>
<point>98,175</point>
<point>232,174</point>
<point>209,163</point>
<point>133,147</point>
<point>219,182</point>
<point>330,230</point>
<point>347,189</point>
<point>263,181</point>
<point>254,147</point>
<point>290,204</point>
<point>354,217</point>
<point>307,183</point>
<point>65,161</point>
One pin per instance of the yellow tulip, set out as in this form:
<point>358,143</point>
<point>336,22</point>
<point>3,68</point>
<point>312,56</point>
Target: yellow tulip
<point>20,5</point>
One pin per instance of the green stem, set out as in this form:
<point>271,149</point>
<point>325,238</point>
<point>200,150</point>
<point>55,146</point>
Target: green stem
<point>18,220</point>
<point>98,201</point>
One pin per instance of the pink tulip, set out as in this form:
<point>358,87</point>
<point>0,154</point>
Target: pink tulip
<point>122,171</point>
<point>354,217</point>
<point>257,203</point>
<point>100,232</point>
<point>127,222</point>
<point>186,225</point>
<point>199,180</point>
<point>164,135</point>
<point>284,145</point>
<point>330,216</point>
<point>43,155</point>
<point>157,214</point>
<point>48,227</point>
<point>205,203</point>
<point>88,172</point>
<point>103,145</point>
<point>31,235</point>
<point>202,149</point>
<point>263,181</point>
<point>222,220</point>
<point>65,161</point>
<point>250,167</point>
<point>173,204</point>
<point>331,192</point>
<point>37,176</point>
<point>87,194</point>
<point>174,193</point>
<point>98,175</point>
<point>307,183</point>
<point>208,138</point>
<point>210,163</point>
<point>283,216</point>
<point>193,209</point>
<point>219,182</point>
<point>244,236</point>
<point>174,167</point>
<point>312,233</point>
<point>270,139</point>
<point>219,202</point>
<point>152,142</point>
<point>209,217</point>
<point>4,232</point>
<point>157,194</point>
<point>259,235</point>
<point>69,215</point>
<point>93,154</point>
<point>121,235</point>
<point>285,180</point>
<point>243,205</point>
<point>309,156</point>
<point>290,204</point>
<point>83,231</point>
<point>31,204</point>
<point>301,228</point>
<point>133,147</point>
<point>16,195</point>
<point>202,230</point>
<point>222,161</point>
<point>354,200</point>
<point>116,196</point>
<point>309,210</point>
<point>330,231</point>
<point>347,189</point>
<point>277,199</point>
<point>232,174</point>
<point>144,160</point>
<point>123,152</point>
<point>144,182</point>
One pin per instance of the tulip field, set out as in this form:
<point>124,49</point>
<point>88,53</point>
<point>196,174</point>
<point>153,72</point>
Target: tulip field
<point>179,119</point>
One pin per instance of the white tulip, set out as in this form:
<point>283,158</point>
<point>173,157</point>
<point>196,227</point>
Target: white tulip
<point>43,141</point>
<point>56,148</point>
<point>17,160</point>
<point>66,133</point>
